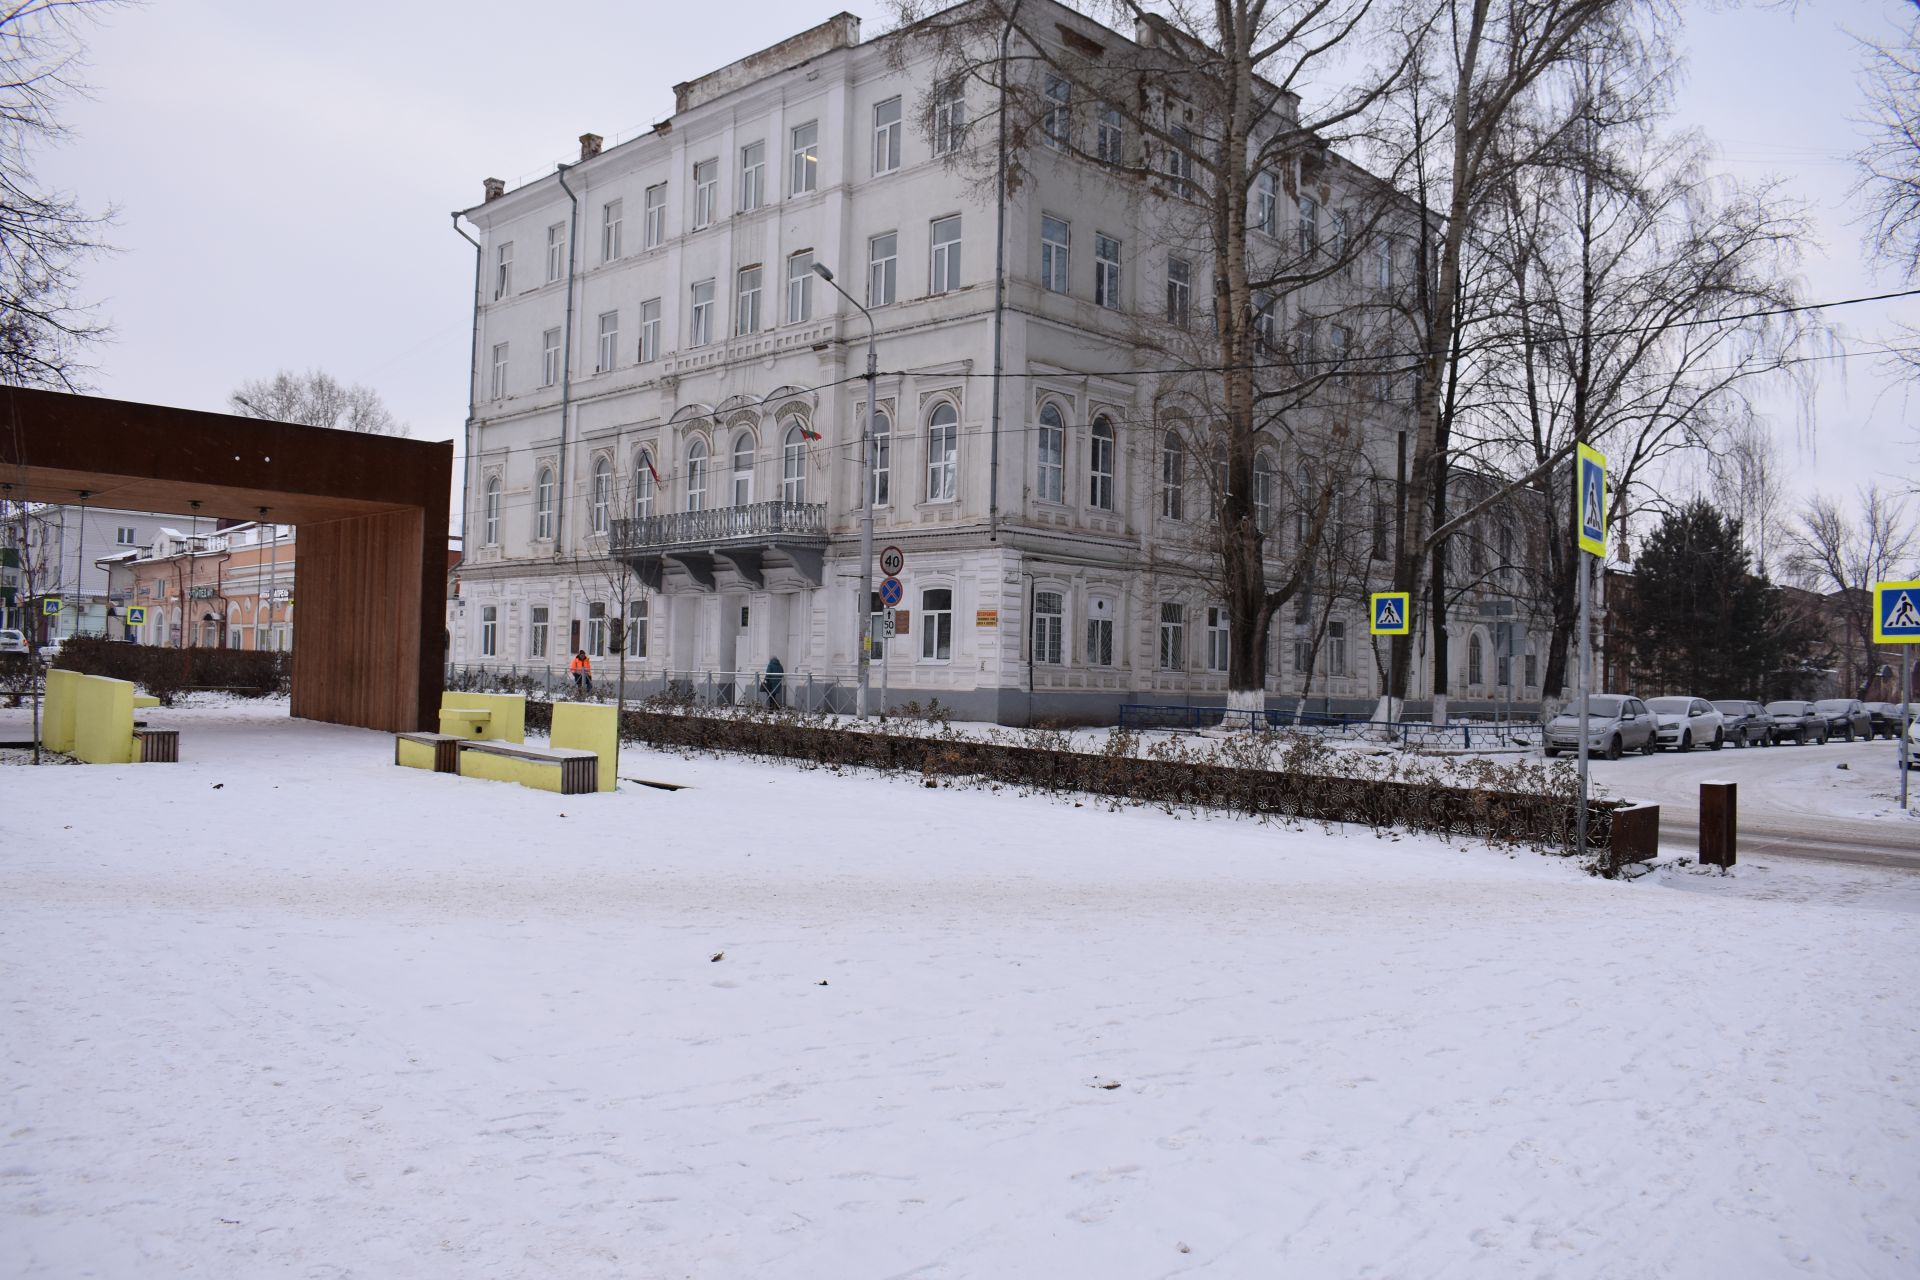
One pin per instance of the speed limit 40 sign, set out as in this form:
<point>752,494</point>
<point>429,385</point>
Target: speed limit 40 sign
<point>892,561</point>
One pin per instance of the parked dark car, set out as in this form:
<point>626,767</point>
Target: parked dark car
<point>1797,720</point>
<point>1748,724</point>
<point>1846,718</point>
<point>1885,717</point>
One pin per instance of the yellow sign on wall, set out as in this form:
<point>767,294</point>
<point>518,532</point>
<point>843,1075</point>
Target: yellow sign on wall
<point>986,617</point>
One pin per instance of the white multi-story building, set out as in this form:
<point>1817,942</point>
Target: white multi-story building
<point>662,380</point>
<point>63,546</point>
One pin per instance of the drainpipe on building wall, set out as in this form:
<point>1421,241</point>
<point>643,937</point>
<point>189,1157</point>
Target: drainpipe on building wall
<point>566,367</point>
<point>473,365</point>
<point>999,288</point>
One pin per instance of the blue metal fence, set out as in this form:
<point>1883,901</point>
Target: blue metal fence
<point>1469,735</point>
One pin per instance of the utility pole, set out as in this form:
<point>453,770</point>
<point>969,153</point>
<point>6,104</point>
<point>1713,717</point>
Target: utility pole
<point>869,428</point>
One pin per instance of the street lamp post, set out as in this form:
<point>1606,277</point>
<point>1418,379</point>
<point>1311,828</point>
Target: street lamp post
<point>863,612</point>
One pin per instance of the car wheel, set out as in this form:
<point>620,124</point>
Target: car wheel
<point>1649,746</point>
<point>1719,740</point>
<point>1824,735</point>
<point>1686,741</point>
<point>1849,733</point>
<point>1613,747</point>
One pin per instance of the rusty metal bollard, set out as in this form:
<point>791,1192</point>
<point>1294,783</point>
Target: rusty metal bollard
<point>1719,825</point>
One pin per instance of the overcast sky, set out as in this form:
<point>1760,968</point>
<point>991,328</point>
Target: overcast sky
<point>285,174</point>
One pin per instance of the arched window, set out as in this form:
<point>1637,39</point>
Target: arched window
<point>1049,464</point>
<point>602,494</point>
<point>1100,466</point>
<point>543,505</point>
<point>1263,490</point>
<point>697,476</point>
<point>1475,659</point>
<point>490,518</point>
<point>1173,476</point>
<point>882,428</point>
<point>793,464</point>
<point>743,469</point>
<point>943,430</point>
<point>643,485</point>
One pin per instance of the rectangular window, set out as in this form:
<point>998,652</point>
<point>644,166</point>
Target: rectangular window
<point>1309,224</point>
<point>1336,648</point>
<point>886,136</point>
<point>1264,202</point>
<point>1110,139</point>
<point>800,287</point>
<point>753,176</point>
<point>1099,633</point>
<point>1302,654</point>
<point>556,252</point>
<point>636,628</point>
<point>949,124</point>
<point>1100,448</point>
<point>1180,162</point>
<point>706,193</point>
<point>549,357</point>
<point>654,230</point>
<point>1383,262</point>
<point>537,631</point>
<point>1265,321</point>
<point>649,331</point>
<point>596,630</point>
<point>610,231</point>
<point>609,349</point>
<point>701,331</point>
<point>1339,338</point>
<point>125,537</point>
<point>1057,123</point>
<point>1049,617</point>
<point>945,274</point>
<point>1531,665</point>
<point>1053,254</point>
<point>746,311</point>
<point>1179,291</point>
<point>499,384</point>
<point>489,630</point>
<point>503,271</point>
<point>1382,526</point>
<point>883,260</point>
<point>1106,271</point>
<point>1219,638</point>
<point>936,624</point>
<point>1173,637</point>
<point>1337,232</point>
<point>806,159</point>
<point>882,428</point>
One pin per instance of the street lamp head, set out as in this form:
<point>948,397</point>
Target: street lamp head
<point>820,269</point>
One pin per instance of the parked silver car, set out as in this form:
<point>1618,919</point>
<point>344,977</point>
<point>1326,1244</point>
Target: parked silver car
<point>1686,723</point>
<point>12,641</point>
<point>1615,723</point>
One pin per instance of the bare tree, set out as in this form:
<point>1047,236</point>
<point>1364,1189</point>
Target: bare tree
<point>45,236</point>
<point>1749,483</point>
<point>1842,553</point>
<point>1889,164</point>
<point>316,399</point>
<point>1480,63</point>
<point>1264,344</point>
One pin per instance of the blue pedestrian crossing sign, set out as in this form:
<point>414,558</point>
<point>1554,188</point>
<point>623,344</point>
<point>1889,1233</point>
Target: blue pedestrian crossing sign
<point>1590,498</point>
<point>136,615</point>
<point>1392,614</point>
<point>50,606</point>
<point>1896,613</point>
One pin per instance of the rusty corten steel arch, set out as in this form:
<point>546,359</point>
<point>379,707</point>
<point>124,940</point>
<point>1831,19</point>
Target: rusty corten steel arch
<point>370,579</point>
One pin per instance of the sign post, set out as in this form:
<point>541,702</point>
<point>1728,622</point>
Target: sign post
<point>1590,526</point>
<point>1896,620</point>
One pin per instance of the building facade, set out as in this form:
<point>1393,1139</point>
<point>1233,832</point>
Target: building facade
<point>669,401</point>
<point>231,588</point>
<point>64,546</point>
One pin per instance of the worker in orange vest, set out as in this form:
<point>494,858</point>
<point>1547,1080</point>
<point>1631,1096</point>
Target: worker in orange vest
<point>582,668</point>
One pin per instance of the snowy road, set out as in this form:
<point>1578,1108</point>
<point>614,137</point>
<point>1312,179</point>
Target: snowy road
<point>284,1010</point>
<point>1793,801</point>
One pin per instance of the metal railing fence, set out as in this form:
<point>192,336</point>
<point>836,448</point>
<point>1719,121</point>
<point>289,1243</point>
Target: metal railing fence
<point>1466,734</point>
<point>795,691</point>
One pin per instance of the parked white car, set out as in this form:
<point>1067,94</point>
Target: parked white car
<point>12,641</point>
<point>1685,723</point>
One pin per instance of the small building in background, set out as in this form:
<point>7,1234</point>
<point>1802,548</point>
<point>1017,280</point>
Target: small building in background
<point>228,589</point>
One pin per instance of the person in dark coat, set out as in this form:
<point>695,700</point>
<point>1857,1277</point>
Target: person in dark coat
<point>771,681</point>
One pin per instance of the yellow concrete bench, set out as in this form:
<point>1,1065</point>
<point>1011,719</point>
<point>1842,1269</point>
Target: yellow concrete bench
<point>491,716</point>
<point>586,726</point>
<point>567,771</point>
<point>439,752</point>
<point>91,718</point>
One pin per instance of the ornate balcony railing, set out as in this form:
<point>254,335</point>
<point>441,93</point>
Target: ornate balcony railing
<point>717,526</point>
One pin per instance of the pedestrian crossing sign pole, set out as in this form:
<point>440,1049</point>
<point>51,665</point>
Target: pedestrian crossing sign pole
<point>1590,530</point>
<point>1392,613</point>
<point>1896,620</point>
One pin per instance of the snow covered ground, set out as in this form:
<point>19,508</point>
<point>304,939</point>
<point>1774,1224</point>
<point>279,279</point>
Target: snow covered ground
<point>285,1010</point>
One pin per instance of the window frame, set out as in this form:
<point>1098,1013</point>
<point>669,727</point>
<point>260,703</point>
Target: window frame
<point>549,357</point>
<point>1179,292</point>
<point>800,286</point>
<point>503,270</point>
<point>699,461</point>
<point>600,497</point>
<point>1173,475</point>
<point>753,176</point>
<point>943,266</point>
<point>803,159</point>
<point>748,282</point>
<point>607,342</point>
<point>1046,636</point>
<point>489,631</point>
<point>653,228</point>
<point>649,331</point>
<point>1102,447</point>
<point>793,463</point>
<point>1056,253</point>
<point>1106,270</point>
<point>497,377</point>
<point>887,135</point>
<point>706,192</point>
<point>543,490</point>
<point>883,269</point>
<point>1172,652</point>
<point>1050,454</point>
<point>943,466</point>
<point>882,469</point>
<point>556,252</point>
<point>612,218</point>
<point>950,124</point>
<point>936,625</point>
<point>644,488</point>
<point>539,624</point>
<point>700,315</point>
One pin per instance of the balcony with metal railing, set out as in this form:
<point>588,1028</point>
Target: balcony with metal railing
<point>758,546</point>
